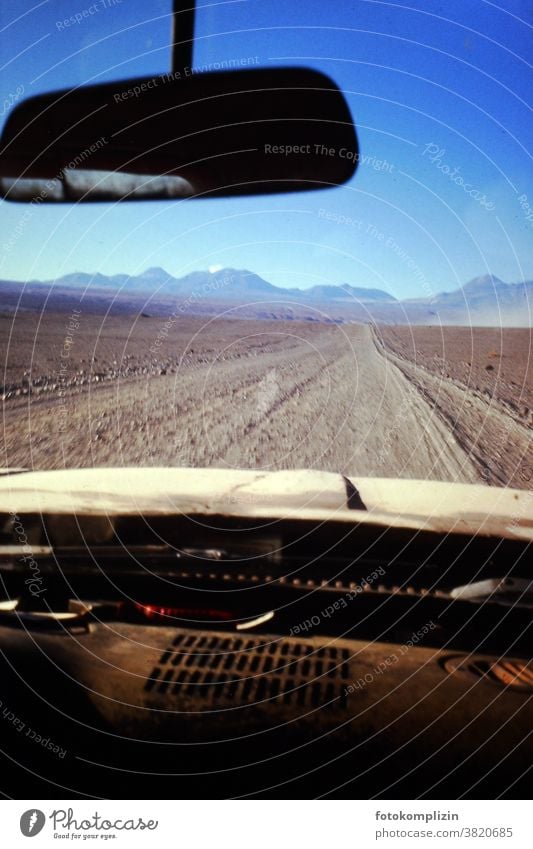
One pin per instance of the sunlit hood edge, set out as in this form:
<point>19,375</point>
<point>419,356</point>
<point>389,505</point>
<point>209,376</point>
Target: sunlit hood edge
<point>295,494</point>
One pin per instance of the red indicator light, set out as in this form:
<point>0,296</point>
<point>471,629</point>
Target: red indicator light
<point>151,611</point>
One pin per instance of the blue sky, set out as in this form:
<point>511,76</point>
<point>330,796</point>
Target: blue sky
<point>438,91</point>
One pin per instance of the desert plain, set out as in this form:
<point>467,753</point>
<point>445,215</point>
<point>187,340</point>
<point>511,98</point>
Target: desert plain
<point>444,403</point>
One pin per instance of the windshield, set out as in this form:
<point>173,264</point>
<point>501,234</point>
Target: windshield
<point>378,329</point>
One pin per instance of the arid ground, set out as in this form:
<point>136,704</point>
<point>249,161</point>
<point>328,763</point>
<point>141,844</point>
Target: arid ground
<point>441,403</point>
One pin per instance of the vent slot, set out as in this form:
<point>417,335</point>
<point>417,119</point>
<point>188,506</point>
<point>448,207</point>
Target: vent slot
<point>223,669</point>
<point>509,674</point>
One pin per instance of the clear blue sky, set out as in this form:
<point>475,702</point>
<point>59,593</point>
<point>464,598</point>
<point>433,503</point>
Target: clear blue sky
<point>451,75</point>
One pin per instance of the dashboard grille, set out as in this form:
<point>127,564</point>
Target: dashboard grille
<point>243,670</point>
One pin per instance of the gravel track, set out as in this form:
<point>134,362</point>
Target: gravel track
<point>270,396</point>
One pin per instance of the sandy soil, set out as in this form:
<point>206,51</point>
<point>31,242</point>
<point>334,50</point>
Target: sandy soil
<point>480,382</point>
<point>265,395</point>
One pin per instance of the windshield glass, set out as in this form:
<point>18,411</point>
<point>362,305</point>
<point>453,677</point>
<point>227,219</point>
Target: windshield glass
<point>377,329</point>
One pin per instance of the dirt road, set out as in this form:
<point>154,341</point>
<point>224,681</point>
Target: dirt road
<point>479,383</point>
<point>278,395</point>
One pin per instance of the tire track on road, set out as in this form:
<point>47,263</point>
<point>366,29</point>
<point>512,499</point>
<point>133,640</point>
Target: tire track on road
<point>496,443</point>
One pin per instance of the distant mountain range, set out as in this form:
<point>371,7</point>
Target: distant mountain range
<point>223,284</point>
<point>484,301</point>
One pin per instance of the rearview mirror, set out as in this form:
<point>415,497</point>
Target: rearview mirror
<point>216,134</point>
